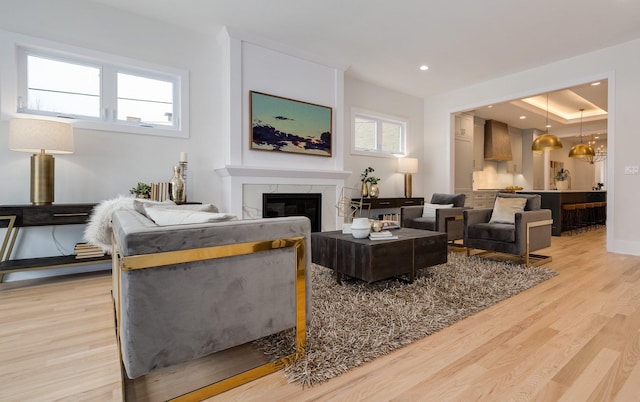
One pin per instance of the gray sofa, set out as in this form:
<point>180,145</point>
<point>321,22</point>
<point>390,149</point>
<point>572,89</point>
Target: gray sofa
<point>186,291</point>
<point>447,220</point>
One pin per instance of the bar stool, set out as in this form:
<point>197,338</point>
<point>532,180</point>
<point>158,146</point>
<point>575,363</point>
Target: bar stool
<point>590,215</point>
<point>569,218</point>
<point>601,213</point>
<point>581,216</point>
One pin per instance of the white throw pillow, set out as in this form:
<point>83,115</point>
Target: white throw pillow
<point>504,209</point>
<point>142,206</point>
<point>172,216</point>
<point>429,210</point>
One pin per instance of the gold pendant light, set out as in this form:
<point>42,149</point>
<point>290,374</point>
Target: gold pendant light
<point>546,140</point>
<point>581,150</point>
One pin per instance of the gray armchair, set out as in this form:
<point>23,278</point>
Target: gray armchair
<point>446,220</point>
<point>530,231</point>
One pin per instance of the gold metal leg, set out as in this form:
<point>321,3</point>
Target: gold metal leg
<point>9,240</point>
<point>12,233</point>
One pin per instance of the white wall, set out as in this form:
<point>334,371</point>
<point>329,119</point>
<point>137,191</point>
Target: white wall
<point>106,164</point>
<point>255,64</point>
<point>362,95</point>
<point>620,64</point>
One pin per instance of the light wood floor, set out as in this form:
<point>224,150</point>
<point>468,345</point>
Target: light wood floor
<point>575,337</point>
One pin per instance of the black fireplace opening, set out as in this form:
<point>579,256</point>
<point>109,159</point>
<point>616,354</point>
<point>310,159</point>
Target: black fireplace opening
<point>294,204</point>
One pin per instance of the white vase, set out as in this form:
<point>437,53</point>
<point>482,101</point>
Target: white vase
<point>562,185</point>
<point>360,228</point>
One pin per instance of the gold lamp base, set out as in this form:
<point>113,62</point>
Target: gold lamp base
<point>42,179</point>
<point>407,185</point>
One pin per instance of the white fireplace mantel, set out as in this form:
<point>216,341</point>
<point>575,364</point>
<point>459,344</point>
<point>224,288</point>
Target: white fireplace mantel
<point>254,171</point>
<point>244,186</point>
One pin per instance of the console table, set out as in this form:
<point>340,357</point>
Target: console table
<point>14,217</point>
<point>388,203</point>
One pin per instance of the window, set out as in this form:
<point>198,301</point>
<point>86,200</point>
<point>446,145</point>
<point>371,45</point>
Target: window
<point>57,87</point>
<point>377,134</point>
<point>97,90</point>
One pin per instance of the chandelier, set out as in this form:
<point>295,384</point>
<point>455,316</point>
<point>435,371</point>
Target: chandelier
<point>600,154</point>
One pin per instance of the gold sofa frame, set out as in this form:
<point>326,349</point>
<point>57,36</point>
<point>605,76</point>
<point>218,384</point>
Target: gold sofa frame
<point>149,261</point>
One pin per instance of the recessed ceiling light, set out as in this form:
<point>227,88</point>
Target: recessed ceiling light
<point>596,137</point>
<point>424,67</point>
<point>490,106</point>
<point>548,126</point>
<point>523,117</point>
<point>595,83</point>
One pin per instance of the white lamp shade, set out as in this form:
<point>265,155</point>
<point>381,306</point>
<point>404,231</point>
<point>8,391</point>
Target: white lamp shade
<point>31,135</point>
<point>408,165</point>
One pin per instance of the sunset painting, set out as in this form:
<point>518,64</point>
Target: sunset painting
<point>287,125</point>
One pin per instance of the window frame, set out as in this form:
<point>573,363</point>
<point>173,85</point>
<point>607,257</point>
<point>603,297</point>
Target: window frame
<point>15,48</point>
<point>379,118</point>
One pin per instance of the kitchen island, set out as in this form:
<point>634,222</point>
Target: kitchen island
<point>553,200</point>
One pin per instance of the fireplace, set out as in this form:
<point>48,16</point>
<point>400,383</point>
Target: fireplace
<point>294,204</point>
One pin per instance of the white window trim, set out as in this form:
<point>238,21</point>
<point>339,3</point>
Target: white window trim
<point>375,115</point>
<point>9,44</point>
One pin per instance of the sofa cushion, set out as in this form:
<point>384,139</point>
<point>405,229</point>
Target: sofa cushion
<point>533,200</point>
<point>456,199</point>
<point>504,232</point>
<point>505,209</point>
<point>429,210</point>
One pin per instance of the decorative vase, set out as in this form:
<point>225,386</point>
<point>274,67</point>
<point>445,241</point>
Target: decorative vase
<point>374,191</point>
<point>177,186</point>
<point>562,185</point>
<point>364,190</point>
<point>360,228</point>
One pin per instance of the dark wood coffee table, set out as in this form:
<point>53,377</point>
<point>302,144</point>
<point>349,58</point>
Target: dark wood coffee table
<point>373,260</point>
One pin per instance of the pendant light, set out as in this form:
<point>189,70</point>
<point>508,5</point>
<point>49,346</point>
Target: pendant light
<point>546,140</point>
<point>581,150</point>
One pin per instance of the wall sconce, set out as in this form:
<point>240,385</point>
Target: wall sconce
<point>407,166</point>
<point>42,138</point>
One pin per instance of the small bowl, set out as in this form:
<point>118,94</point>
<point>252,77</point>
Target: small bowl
<point>360,233</point>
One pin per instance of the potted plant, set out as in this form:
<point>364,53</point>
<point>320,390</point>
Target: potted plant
<point>364,178</point>
<point>374,191</point>
<point>562,179</point>
<point>141,190</point>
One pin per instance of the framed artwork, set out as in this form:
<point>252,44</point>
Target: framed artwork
<point>287,125</point>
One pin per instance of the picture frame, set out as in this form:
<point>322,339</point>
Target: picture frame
<point>287,125</point>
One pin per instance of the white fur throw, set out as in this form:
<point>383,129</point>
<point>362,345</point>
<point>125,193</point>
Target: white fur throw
<point>98,230</point>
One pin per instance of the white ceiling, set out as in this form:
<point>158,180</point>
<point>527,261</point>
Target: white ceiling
<point>384,42</point>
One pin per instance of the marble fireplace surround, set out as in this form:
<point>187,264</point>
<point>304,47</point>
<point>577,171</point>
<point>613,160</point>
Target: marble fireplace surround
<point>245,186</point>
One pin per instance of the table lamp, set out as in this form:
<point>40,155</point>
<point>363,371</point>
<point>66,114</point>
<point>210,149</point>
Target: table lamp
<point>407,166</point>
<point>43,138</point>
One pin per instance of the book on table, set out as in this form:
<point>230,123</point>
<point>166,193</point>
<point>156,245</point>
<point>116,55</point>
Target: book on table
<point>384,235</point>
<point>86,250</point>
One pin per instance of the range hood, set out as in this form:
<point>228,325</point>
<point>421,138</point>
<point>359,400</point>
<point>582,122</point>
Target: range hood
<point>497,145</point>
